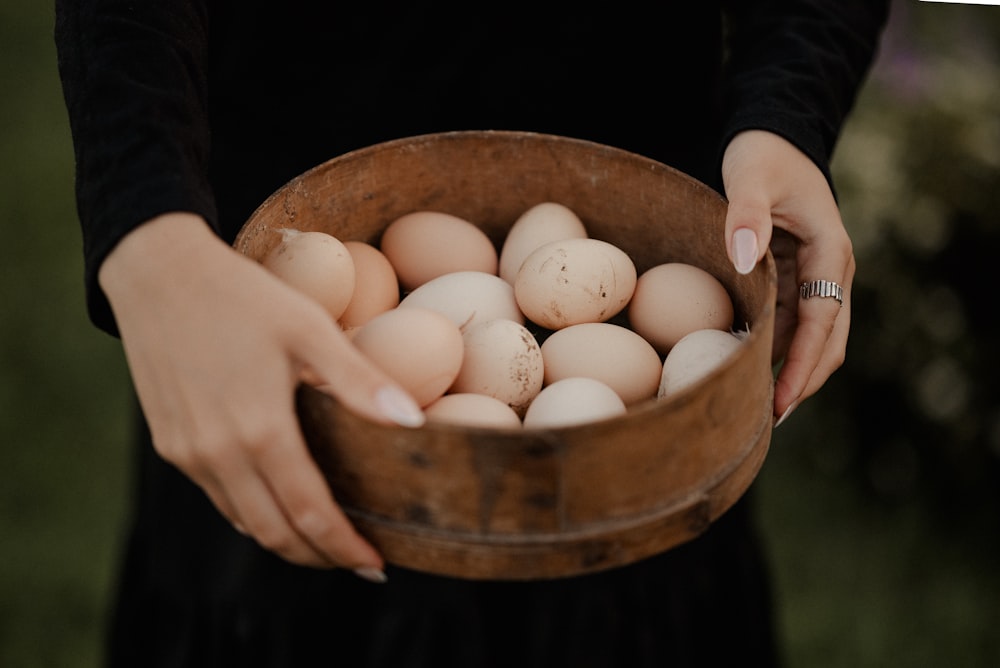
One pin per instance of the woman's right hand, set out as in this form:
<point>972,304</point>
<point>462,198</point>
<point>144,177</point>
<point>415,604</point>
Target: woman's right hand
<point>216,346</point>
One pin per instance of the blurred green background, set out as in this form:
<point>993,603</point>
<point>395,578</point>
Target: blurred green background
<point>880,497</point>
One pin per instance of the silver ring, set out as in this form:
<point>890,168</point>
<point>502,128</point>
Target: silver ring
<point>822,288</point>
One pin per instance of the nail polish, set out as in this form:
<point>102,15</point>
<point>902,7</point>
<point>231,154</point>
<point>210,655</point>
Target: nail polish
<point>784,416</point>
<point>399,407</point>
<point>745,250</point>
<point>371,574</point>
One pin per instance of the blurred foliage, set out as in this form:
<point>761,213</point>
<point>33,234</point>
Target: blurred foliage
<point>918,174</point>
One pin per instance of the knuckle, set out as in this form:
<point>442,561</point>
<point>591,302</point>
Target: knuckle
<point>312,523</point>
<point>276,539</point>
<point>257,436</point>
<point>215,451</point>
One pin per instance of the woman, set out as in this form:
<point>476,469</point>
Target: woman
<point>186,114</point>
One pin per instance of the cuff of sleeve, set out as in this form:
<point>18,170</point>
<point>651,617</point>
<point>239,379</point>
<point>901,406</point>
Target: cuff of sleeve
<point>796,131</point>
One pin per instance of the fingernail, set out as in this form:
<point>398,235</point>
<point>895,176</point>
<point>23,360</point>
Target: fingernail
<point>371,574</point>
<point>784,416</point>
<point>399,407</point>
<point>745,250</point>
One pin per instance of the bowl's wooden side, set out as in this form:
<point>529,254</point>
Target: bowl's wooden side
<point>543,503</point>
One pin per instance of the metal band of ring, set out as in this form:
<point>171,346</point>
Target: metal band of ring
<point>822,288</point>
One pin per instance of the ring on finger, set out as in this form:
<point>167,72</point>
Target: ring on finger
<point>821,288</point>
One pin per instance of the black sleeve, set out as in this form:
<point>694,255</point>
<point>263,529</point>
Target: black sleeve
<point>794,67</point>
<point>133,77</point>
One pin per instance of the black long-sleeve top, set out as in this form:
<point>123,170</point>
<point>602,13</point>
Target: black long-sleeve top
<point>210,105</point>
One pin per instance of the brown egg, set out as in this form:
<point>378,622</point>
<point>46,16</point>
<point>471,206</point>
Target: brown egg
<point>376,288</point>
<point>473,410</point>
<point>317,264</point>
<point>610,353</point>
<point>426,244</point>
<point>675,299</point>
<point>572,281</point>
<point>420,349</point>
<point>542,223</point>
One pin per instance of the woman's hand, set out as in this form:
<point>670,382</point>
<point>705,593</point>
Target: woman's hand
<point>779,198</point>
<point>216,347</point>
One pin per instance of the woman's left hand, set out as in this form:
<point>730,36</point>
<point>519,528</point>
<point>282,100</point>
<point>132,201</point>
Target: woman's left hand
<point>779,198</point>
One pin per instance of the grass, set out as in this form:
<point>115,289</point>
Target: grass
<point>859,582</point>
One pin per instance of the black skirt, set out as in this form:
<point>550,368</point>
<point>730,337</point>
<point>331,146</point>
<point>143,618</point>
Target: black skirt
<point>194,593</point>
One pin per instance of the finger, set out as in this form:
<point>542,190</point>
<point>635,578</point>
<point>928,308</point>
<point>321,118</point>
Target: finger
<point>808,347</point>
<point>308,505</point>
<point>835,351</point>
<point>235,486</point>
<point>266,522</point>
<point>748,228</point>
<point>833,355</point>
<point>817,349</point>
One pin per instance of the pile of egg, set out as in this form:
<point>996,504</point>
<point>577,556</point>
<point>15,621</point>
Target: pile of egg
<point>555,329</point>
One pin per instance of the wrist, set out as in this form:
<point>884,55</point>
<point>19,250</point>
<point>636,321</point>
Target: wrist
<point>169,244</point>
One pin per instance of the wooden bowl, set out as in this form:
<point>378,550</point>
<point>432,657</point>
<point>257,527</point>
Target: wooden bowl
<point>489,504</point>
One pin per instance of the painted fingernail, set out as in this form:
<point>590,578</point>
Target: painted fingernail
<point>745,250</point>
<point>371,574</point>
<point>784,416</point>
<point>399,407</point>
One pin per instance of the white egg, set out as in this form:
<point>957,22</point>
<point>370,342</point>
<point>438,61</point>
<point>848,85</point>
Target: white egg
<point>466,298</point>
<point>694,357</point>
<point>573,401</point>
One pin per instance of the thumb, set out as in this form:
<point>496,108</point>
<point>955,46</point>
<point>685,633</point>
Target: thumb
<point>332,364</point>
<point>748,230</point>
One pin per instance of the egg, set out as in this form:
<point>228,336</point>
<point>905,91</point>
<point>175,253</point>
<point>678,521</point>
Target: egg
<point>542,223</point>
<point>420,349</point>
<point>316,264</point>
<point>573,401</point>
<point>466,297</point>
<point>611,353</point>
<point>503,360</point>
<point>376,288</point>
<point>473,410</point>
<point>571,281</point>
<point>694,357</point>
<point>426,244</point>
<point>674,299</point>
